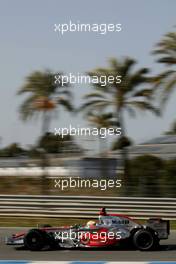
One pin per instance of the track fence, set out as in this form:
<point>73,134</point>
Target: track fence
<point>85,206</point>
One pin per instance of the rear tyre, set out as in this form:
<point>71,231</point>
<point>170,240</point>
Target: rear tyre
<point>35,240</point>
<point>144,240</point>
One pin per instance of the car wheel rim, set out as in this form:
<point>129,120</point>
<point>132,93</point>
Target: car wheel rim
<point>145,240</point>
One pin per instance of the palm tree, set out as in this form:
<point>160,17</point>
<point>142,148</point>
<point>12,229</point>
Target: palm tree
<point>44,96</point>
<point>166,52</point>
<point>118,97</point>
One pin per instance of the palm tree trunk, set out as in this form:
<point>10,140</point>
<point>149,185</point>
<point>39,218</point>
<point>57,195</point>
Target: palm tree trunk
<point>124,154</point>
<point>44,160</point>
<point>102,158</point>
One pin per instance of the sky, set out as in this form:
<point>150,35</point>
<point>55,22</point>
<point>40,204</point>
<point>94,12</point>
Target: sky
<point>28,43</point>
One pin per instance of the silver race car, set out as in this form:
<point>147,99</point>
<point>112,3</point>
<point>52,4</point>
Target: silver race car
<point>110,230</point>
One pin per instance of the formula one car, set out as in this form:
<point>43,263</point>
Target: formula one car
<point>110,230</point>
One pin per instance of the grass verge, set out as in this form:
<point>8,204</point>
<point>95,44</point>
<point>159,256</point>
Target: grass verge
<point>34,222</point>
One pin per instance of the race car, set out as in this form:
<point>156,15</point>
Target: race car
<point>110,230</point>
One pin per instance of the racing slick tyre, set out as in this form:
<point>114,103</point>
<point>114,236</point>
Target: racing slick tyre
<point>35,240</point>
<point>144,240</point>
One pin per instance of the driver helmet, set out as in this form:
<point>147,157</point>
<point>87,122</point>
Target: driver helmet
<point>91,224</point>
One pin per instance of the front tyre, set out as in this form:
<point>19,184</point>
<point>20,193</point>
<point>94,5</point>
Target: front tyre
<point>35,240</point>
<point>144,240</point>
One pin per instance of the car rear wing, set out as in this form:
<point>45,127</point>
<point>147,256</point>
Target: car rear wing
<point>162,227</point>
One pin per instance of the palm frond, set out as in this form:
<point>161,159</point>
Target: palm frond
<point>167,60</point>
<point>27,109</point>
<point>168,89</point>
<point>94,95</point>
<point>143,93</point>
<point>121,68</point>
<point>66,104</point>
<point>143,106</point>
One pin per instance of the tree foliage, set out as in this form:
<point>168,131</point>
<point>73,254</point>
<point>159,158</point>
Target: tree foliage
<point>43,95</point>
<point>166,54</point>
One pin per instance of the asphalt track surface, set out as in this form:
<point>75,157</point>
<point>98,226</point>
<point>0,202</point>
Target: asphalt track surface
<point>167,252</point>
